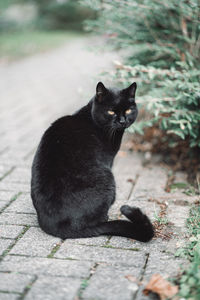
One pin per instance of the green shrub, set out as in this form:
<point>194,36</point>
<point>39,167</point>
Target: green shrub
<point>157,33</point>
<point>162,42</point>
<point>173,99</point>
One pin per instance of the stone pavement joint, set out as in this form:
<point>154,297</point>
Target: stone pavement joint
<point>10,201</point>
<point>9,171</point>
<point>21,231</point>
<point>33,265</point>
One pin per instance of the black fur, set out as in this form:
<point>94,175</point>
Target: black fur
<point>72,184</point>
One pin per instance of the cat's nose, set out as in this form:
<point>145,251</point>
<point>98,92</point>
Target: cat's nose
<point>122,120</point>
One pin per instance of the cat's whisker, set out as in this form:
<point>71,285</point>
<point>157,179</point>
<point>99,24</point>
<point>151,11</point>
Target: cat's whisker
<point>108,131</point>
<point>113,135</point>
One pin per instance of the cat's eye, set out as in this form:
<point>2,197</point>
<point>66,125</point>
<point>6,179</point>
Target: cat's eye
<point>128,111</point>
<point>110,112</point>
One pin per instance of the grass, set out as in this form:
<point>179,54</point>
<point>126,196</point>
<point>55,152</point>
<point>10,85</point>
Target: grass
<point>187,188</point>
<point>161,220</point>
<point>160,217</point>
<point>131,249</point>
<point>18,44</point>
<point>189,281</point>
<point>54,250</point>
<point>14,242</point>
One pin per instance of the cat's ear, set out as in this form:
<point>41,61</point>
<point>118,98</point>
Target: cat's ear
<point>131,90</point>
<point>100,91</point>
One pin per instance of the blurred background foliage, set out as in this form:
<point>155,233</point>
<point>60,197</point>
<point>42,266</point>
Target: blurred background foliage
<point>161,46</point>
<point>62,14</point>
<point>43,14</point>
<point>29,26</point>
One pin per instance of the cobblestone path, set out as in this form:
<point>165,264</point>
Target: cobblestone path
<point>33,265</point>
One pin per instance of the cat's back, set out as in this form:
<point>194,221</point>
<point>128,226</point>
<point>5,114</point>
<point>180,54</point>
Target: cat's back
<point>69,140</point>
<point>70,131</point>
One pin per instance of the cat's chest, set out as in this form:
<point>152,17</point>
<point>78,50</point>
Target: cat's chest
<point>106,151</point>
<point>105,156</point>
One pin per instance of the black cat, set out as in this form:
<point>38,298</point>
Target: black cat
<point>72,185</point>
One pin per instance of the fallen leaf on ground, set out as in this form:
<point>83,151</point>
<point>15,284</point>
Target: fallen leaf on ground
<point>122,153</point>
<point>131,278</point>
<point>160,286</point>
<point>131,180</point>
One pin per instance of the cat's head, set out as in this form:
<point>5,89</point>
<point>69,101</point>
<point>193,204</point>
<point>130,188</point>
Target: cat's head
<point>114,108</point>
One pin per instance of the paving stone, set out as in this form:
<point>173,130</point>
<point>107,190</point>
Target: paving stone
<point>22,204</point>
<point>129,164</point>
<point>4,244</point>
<point>19,175</point>
<point>14,155</point>
<point>100,254</point>
<point>172,245</point>
<point>151,183</point>
<point>18,187</point>
<point>125,243</point>
<point>12,282</point>
<point>18,219</point>
<point>46,266</point>
<point>8,296</point>
<point>178,215</point>
<point>112,282</point>
<point>97,241</point>
<point>145,189</point>
<point>35,243</point>
<point>156,245</point>
<point>123,191</point>
<point>16,162</point>
<point>10,231</point>
<point>174,197</point>
<point>4,170</point>
<point>180,199</point>
<point>164,264</point>
<point>6,195</point>
<point>123,187</point>
<point>3,204</point>
<point>49,288</point>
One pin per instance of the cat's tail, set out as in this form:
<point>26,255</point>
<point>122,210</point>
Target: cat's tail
<point>139,227</point>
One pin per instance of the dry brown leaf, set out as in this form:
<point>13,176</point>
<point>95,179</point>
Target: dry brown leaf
<point>160,286</point>
<point>131,180</point>
<point>131,278</point>
<point>122,153</point>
